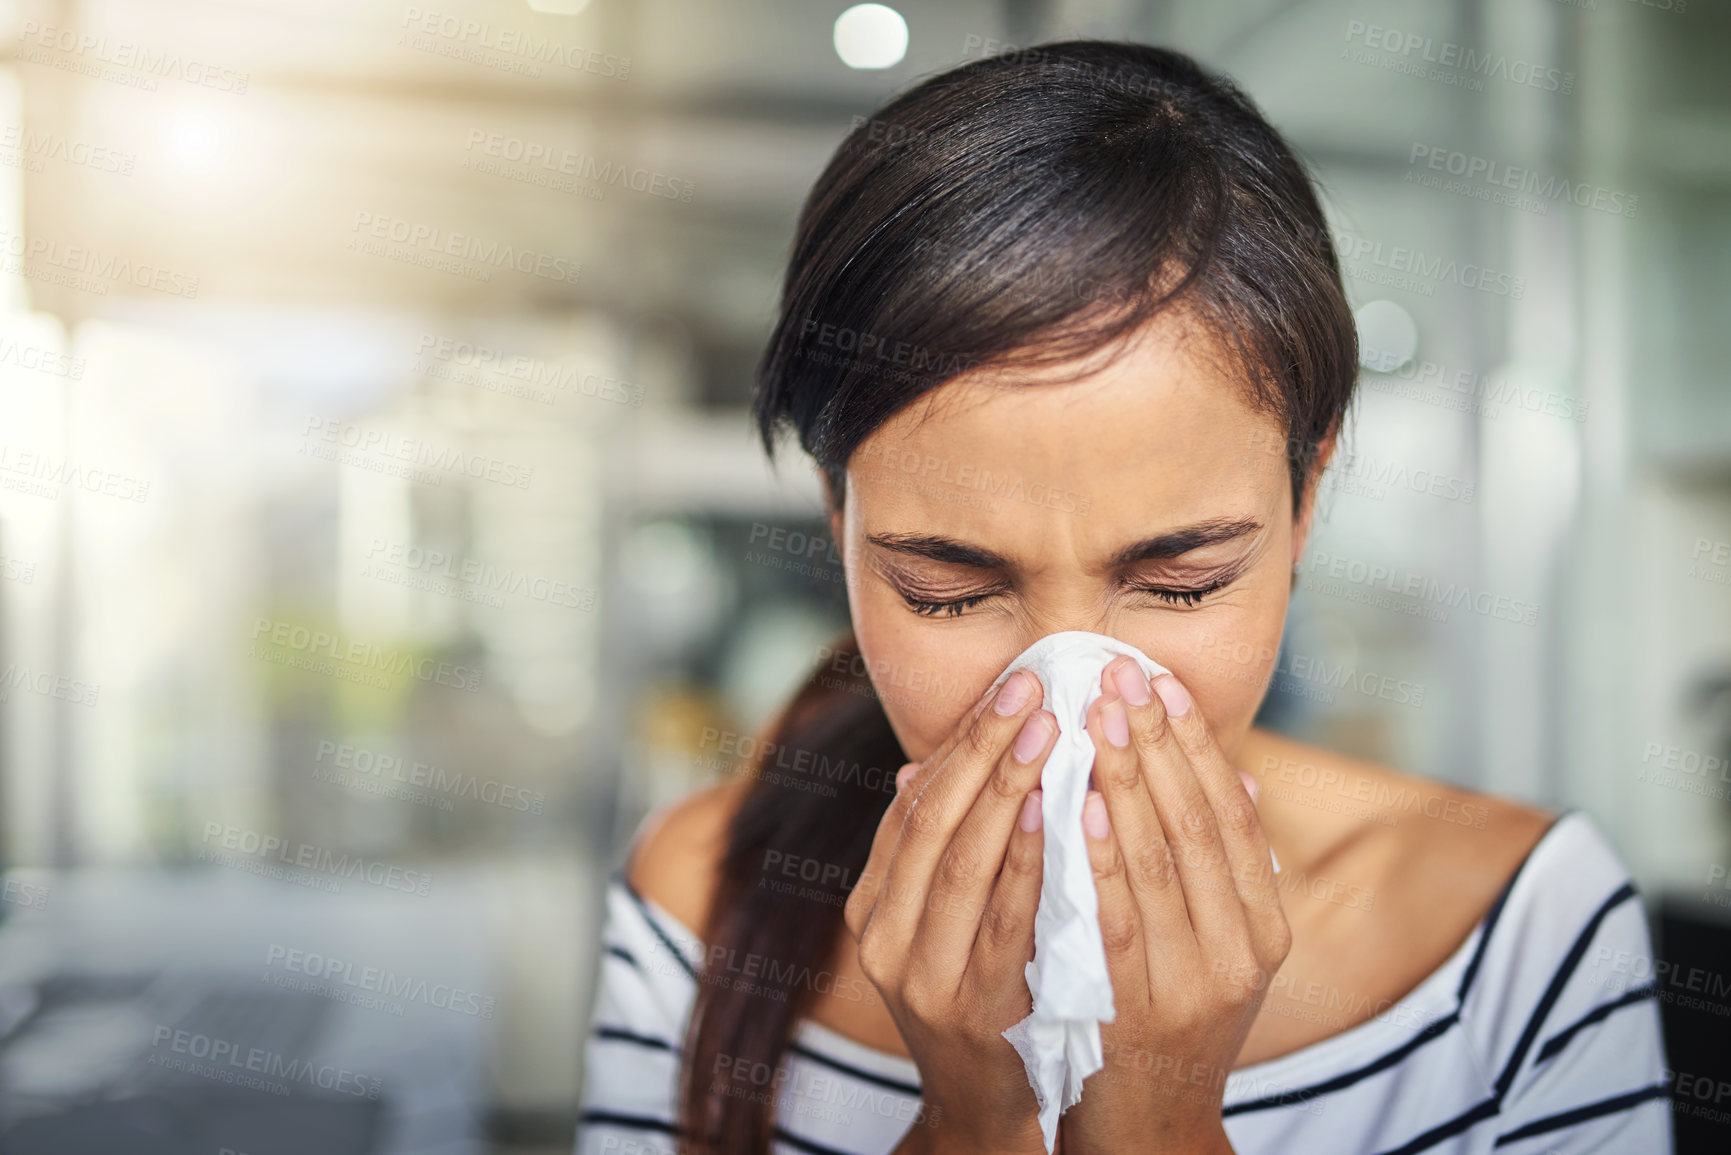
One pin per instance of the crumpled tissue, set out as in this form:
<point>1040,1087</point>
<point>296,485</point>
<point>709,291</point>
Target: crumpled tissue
<point>1059,1041</point>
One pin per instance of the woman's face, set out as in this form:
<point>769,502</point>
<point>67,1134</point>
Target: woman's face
<point>1146,501</point>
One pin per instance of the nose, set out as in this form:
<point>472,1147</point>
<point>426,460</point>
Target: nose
<point>1081,622</point>
<point>1084,619</point>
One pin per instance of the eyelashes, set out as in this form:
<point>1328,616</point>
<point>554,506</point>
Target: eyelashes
<point>1181,597</point>
<point>954,606</point>
<point>949,609</point>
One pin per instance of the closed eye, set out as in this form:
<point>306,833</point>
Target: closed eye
<point>946,607</point>
<point>1185,597</point>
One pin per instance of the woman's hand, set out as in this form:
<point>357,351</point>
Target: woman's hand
<point>944,915</point>
<point>1189,914</point>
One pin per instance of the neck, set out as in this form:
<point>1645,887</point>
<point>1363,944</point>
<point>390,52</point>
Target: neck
<point>1298,834</point>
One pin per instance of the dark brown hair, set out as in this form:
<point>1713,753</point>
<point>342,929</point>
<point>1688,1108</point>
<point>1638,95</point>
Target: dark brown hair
<point>1025,209</point>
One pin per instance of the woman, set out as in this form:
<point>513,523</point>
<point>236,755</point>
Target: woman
<point>1065,334</point>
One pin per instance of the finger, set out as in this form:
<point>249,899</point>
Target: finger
<point>1122,930</point>
<point>1136,827</point>
<point>863,897</point>
<point>938,798</point>
<point>1004,944</point>
<point>869,885</point>
<point>1234,806</point>
<point>968,866</point>
<point>1186,814</point>
<point>866,891</point>
<point>959,732</point>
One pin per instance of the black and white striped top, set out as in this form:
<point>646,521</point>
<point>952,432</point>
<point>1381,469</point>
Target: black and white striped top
<point>1534,1037</point>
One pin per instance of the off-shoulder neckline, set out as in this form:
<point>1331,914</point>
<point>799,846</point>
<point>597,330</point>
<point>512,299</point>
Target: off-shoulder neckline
<point>1433,997</point>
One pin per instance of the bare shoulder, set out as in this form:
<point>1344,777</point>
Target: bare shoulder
<point>1384,875</point>
<point>1423,838</point>
<point>676,858</point>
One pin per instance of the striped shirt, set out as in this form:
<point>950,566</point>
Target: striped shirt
<point>1535,1037</point>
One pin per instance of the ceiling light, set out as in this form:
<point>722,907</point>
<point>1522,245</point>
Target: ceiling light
<point>871,36</point>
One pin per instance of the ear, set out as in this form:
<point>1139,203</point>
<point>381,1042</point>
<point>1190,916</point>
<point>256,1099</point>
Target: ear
<point>1307,506</point>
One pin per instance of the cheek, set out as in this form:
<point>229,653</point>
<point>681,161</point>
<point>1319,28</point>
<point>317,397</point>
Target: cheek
<point>1225,660</point>
<point>925,681</point>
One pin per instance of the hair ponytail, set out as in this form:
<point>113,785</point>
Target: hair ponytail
<point>824,775</point>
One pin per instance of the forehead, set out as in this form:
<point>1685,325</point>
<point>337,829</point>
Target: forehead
<point>1160,436</point>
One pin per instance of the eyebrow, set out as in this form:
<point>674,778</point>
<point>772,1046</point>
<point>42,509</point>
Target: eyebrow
<point>1161,547</point>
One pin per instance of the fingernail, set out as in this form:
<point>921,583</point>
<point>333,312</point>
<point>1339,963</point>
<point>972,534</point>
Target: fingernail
<point>1094,815</point>
<point>1132,683</point>
<point>1013,694</point>
<point>905,773</point>
<point>1175,697</point>
<point>1250,783</point>
<point>1030,819</point>
<point>1032,738</point>
<point>1116,723</point>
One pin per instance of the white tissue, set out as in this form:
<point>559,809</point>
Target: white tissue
<point>1060,1040</point>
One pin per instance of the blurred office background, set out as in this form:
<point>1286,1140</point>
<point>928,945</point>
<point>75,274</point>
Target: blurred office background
<point>382,535</point>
